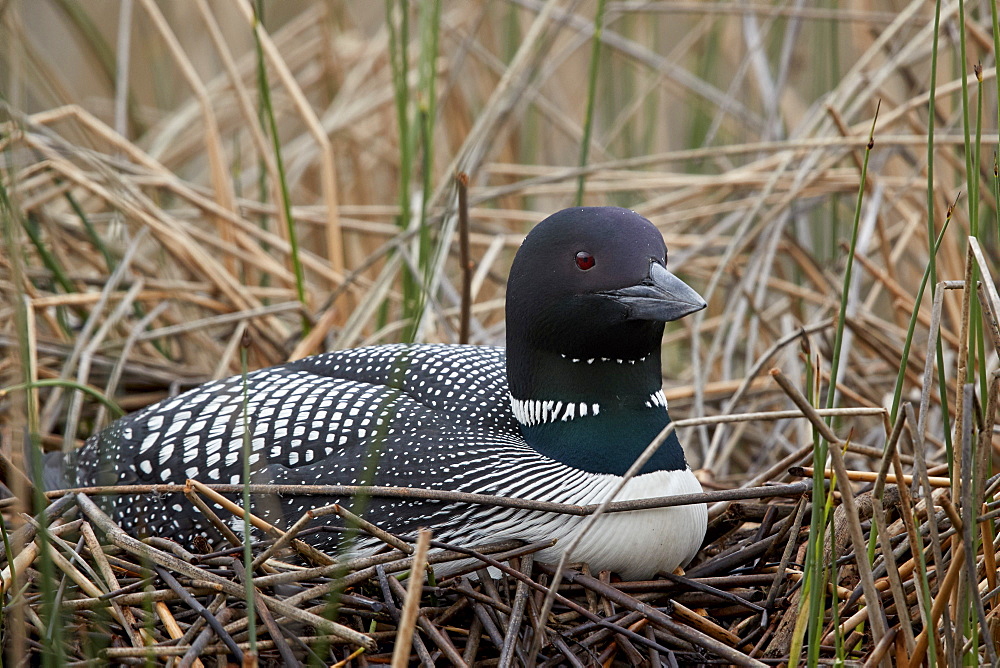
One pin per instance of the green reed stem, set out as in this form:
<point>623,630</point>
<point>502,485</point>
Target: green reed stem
<point>932,260</point>
<point>53,652</point>
<point>901,376</point>
<point>68,384</point>
<point>980,335</point>
<point>399,41</point>
<point>815,568</point>
<point>272,128</point>
<point>247,526</point>
<point>588,123</point>
<point>848,271</point>
<point>811,616</point>
<point>430,23</point>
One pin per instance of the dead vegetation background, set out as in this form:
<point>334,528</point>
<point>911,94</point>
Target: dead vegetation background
<point>176,176</point>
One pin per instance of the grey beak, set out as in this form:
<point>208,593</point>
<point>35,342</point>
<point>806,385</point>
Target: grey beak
<point>660,297</point>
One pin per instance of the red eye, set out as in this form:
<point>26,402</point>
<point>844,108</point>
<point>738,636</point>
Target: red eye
<point>585,260</point>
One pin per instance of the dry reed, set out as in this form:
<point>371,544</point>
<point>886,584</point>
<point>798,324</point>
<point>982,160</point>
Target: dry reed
<point>147,234</point>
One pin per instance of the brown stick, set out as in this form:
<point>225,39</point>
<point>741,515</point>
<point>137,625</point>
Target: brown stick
<point>260,606</point>
<point>118,536</point>
<point>195,605</point>
<point>869,476</point>
<point>770,491</point>
<point>940,601</point>
<point>408,620</point>
<point>659,618</point>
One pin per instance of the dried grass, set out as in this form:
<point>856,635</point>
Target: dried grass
<point>147,241</point>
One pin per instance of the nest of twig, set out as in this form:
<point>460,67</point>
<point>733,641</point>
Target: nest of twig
<point>126,600</point>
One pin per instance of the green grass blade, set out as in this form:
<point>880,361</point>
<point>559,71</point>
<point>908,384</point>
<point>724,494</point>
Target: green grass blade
<point>842,315</point>
<point>901,376</point>
<point>69,384</point>
<point>247,527</point>
<point>932,261</point>
<point>272,129</point>
<point>52,650</point>
<point>588,123</point>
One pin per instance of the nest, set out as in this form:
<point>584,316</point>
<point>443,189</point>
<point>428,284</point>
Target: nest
<point>124,600</point>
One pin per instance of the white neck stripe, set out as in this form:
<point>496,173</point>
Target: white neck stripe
<point>531,412</point>
<point>657,399</point>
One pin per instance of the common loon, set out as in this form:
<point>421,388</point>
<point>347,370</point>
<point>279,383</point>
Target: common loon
<point>558,416</point>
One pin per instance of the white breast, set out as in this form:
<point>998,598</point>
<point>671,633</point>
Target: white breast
<point>635,544</point>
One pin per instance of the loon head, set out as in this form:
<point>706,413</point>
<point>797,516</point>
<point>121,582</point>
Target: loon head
<point>587,299</point>
<point>592,283</point>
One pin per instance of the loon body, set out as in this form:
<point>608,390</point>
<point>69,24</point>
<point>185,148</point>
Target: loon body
<point>559,415</point>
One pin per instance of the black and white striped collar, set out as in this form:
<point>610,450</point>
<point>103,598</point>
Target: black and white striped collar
<point>532,412</point>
